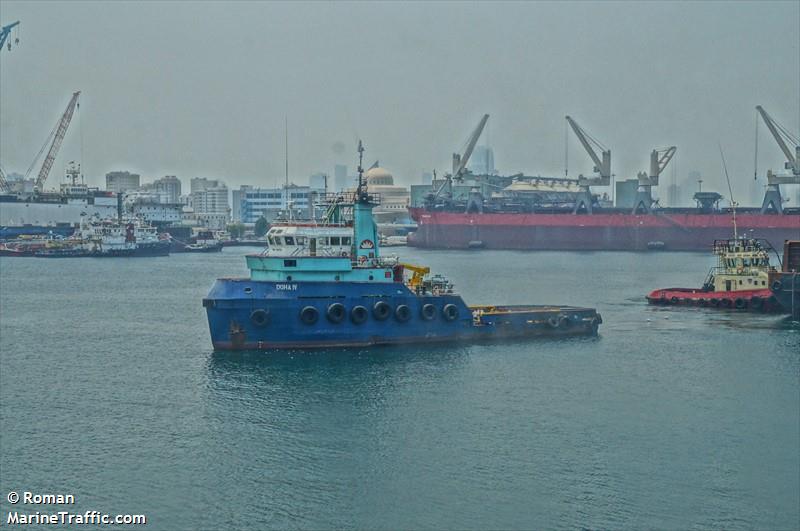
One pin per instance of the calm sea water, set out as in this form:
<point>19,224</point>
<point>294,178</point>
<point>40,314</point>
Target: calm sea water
<point>109,390</point>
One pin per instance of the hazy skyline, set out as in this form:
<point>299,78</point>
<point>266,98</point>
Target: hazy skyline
<point>202,89</point>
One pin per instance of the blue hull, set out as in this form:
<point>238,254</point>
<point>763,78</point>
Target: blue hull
<point>255,315</point>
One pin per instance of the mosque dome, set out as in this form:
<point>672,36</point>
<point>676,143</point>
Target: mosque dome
<point>379,177</point>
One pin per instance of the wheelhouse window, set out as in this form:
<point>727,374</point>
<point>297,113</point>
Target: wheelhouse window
<point>346,240</point>
<point>335,240</point>
<point>289,240</point>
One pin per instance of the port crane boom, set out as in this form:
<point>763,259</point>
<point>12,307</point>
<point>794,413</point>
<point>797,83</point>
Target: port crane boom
<point>61,130</point>
<point>772,197</point>
<point>3,183</point>
<point>781,135</point>
<point>602,167</point>
<point>5,31</point>
<point>659,158</point>
<point>460,161</point>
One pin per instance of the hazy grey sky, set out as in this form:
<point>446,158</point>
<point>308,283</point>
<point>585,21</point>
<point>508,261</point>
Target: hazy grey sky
<point>201,89</point>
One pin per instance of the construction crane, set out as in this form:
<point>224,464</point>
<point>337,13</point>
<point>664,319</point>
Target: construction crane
<point>659,158</point>
<point>460,160</point>
<point>602,167</point>
<point>58,138</point>
<point>772,197</point>
<point>3,183</point>
<point>5,31</point>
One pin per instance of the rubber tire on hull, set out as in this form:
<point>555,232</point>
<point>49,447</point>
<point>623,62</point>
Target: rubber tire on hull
<point>756,303</point>
<point>402,313</point>
<point>260,317</point>
<point>740,304</point>
<point>565,322</point>
<point>359,315</point>
<point>309,315</point>
<point>336,313</point>
<point>381,310</point>
<point>428,311</point>
<point>450,312</point>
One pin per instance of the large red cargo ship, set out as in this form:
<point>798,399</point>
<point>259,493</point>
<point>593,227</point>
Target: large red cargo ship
<point>673,230</point>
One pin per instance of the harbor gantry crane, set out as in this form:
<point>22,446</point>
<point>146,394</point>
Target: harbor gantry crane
<point>3,183</point>
<point>5,31</point>
<point>659,158</point>
<point>58,137</point>
<point>772,197</point>
<point>460,162</point>
<point>602,168</point>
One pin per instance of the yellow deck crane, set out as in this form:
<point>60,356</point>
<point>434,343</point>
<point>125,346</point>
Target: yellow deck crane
<point>419,273</point>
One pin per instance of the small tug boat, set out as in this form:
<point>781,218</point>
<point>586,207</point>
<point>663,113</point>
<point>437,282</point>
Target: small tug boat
<point>741,280</point>
<point>324,283</point>
<point>785,284</point>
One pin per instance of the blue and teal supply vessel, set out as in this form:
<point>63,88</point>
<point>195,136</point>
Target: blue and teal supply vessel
<point>324,283</point>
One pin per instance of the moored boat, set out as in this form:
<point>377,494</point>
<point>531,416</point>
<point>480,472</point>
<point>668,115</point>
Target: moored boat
<point>785,284</point>
<point>741,280</point>
<point>325,283</point>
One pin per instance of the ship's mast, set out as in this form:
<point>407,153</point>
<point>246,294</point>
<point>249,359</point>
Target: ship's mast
<point>360,191</point>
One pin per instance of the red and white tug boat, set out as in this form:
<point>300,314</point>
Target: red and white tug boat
<point>740,281</point>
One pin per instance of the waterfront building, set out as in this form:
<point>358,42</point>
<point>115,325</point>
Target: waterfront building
<point>394,199</point>
<point>319,181</point>
<point>211,206</point>
<point>274,202</point>
<point>170,187</point>
<point>120,181</point>
<point>482,161</point>
<point>198,184</point>
<point>340,180</point>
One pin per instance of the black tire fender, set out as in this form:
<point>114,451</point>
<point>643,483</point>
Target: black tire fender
<point>336,313</point>
<point>428,311</point>
<point>450,312</point>
<point>402,313</point>
<point>381,310</point>
<point>260,317</point>
<point>309,315</point>
<point>359,315</point>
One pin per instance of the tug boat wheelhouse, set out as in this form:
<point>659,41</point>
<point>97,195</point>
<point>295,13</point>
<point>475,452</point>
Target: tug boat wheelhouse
<point>324,283</point>
<point>740,281</point>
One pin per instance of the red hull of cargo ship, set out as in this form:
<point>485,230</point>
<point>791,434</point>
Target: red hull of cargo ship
<point>596,232</point>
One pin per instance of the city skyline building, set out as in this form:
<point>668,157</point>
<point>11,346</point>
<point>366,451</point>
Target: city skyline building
<point>120,181</point>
